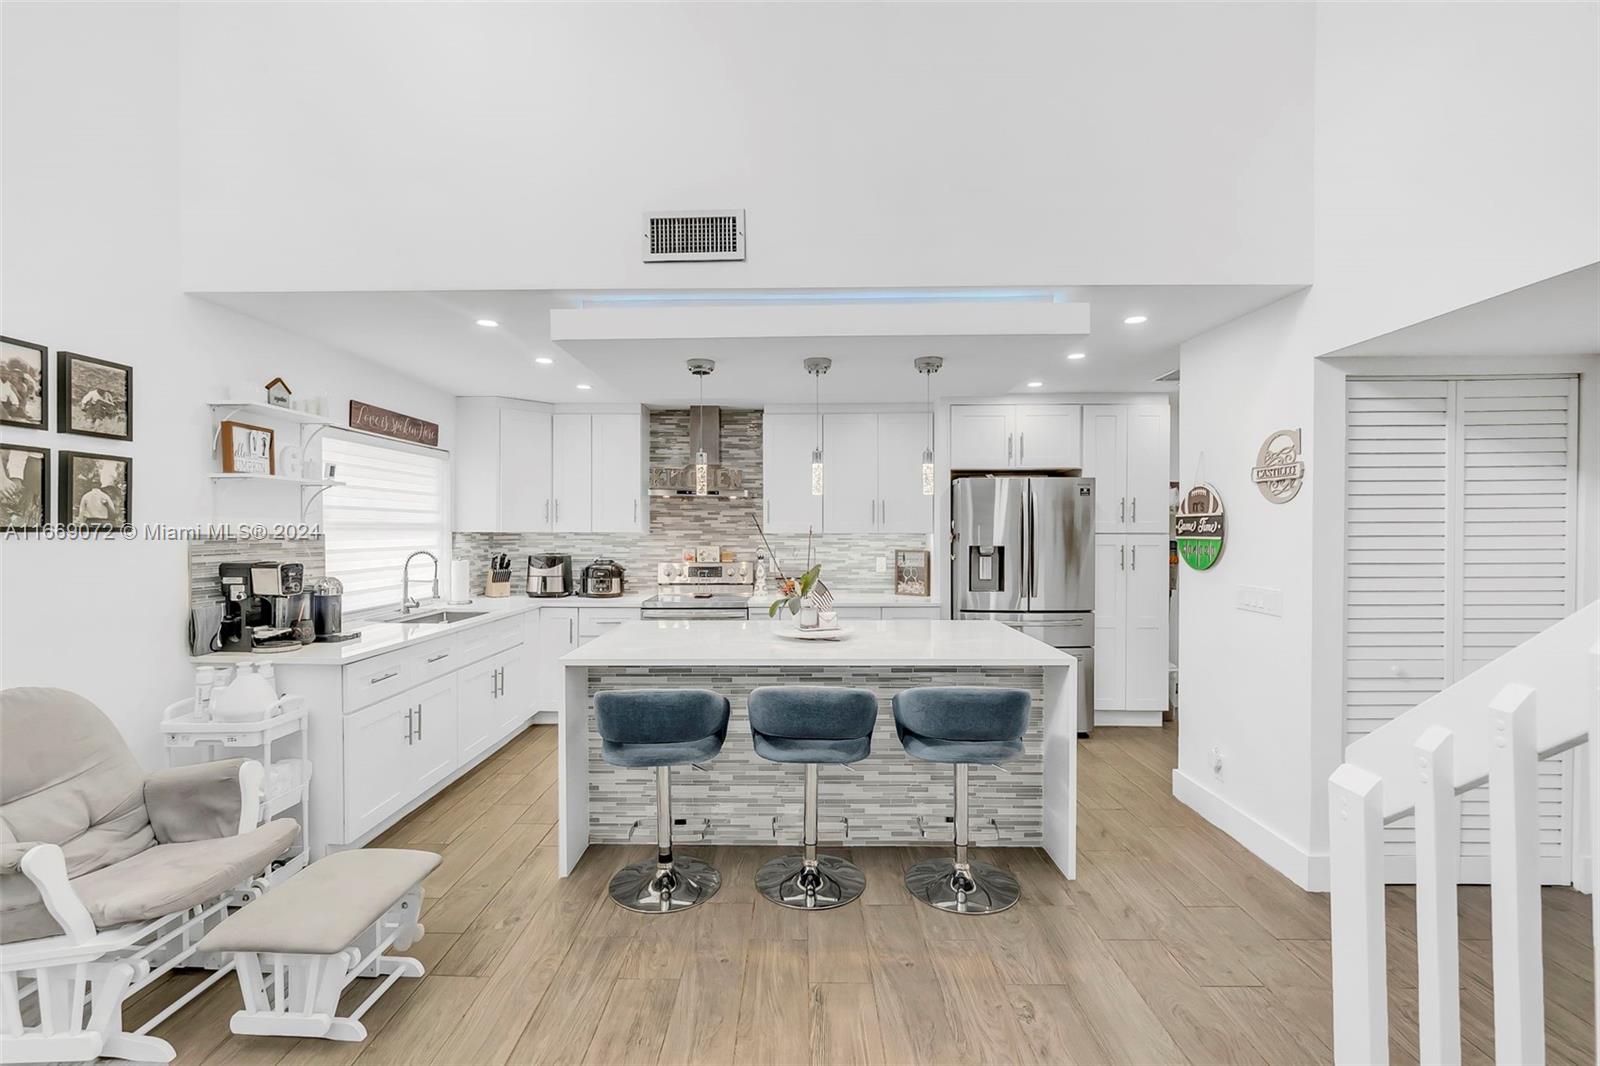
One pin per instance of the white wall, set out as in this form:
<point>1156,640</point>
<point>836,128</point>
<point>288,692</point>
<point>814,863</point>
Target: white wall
<point>90,231</point>
<point>1457,157</point>
<point>439,146</point>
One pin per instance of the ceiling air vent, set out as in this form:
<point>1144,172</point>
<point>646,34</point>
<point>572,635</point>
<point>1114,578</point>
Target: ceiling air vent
<point>1171,375</point>
<point>693,236</point>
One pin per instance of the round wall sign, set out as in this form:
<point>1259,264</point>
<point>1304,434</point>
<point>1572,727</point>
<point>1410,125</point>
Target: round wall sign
<point>1200,527</point>
<point>1278,472</point>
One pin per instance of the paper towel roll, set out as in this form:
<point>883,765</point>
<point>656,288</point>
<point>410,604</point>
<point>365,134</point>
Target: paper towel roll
<point>460,580</point>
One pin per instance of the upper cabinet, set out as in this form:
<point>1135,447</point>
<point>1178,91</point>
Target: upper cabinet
<point>1034,436</point>
<point>788,505</point>
<point>521,469</point>
<point>1127,450</point>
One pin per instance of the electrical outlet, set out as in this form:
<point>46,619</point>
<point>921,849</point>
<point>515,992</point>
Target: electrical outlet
<point>883,564</point>
<point>1216,762</point>
<point>1259,600</point>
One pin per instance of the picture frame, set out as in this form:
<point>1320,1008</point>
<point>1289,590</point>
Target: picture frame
<point>24,487</point>
<point>248,449</point>
<point>94,397</point>
<point>95,491</point>
<point>24,384</point>
<point>913,572</point>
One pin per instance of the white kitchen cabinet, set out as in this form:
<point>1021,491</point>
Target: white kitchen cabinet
<point>850,479</point>
<point>982,436</point>
<point>1127,450</point>
<point>377,743</point>
<point>514,706</point>
<point>598,621</point>
<point>1030,436</point>
<point>571,476</point>
<point>524,472</point>
<point>858,613</point>
<point>786,443</point>
<point>1049,436</point>
<point>558,634</point>
<point>1110,623</point>
<point>902,507</point>
<point>491,700</point>
<point>619,462</point>
<point>432,754</point>
<point>873,482</point>
<point>1131,624</point>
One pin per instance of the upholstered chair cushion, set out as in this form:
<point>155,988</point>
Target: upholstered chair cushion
<point>812,723</point>
<point>962,723</point>
<point>660,727</point>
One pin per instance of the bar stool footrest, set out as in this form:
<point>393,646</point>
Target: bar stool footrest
<point>644,886</point>
<point>986,889</point>
<point>834,883</point>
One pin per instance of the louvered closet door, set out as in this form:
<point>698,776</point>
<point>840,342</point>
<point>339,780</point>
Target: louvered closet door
<point>1458,547</point>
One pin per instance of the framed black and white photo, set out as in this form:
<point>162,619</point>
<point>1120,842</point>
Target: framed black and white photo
<point>96,490</point>
<point>96,397</point>
<point>24,384</point>
<point>24,486</point>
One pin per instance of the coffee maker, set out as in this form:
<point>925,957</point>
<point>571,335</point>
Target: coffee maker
<point>260,603</point>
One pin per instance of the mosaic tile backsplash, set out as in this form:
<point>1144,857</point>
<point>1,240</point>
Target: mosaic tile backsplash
<point>849,562</point>
<point>205,583</point>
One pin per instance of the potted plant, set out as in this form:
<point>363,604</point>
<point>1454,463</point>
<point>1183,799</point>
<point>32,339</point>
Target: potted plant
<point>797,597</point>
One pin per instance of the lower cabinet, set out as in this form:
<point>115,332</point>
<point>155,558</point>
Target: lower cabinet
<point>558,634</point>
<point>432,756</point>
<point>377,742</point>
<point>492,699</point>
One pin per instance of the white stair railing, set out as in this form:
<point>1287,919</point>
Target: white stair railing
<point>1537,700</point>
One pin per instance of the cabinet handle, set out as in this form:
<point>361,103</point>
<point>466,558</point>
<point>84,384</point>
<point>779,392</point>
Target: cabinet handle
<point>636,510</point>
<point>769,512</point>
<point>1022,447</point>
<point>1122,509</point>
<point>1122,557</point>
<point>1134,516</point>
<point>441,655</point>
<point>419,721</point>
<point>382,677</point>
<point>1008,446</point>
<point>872,512</point>
<point>409,726</point>
<point>1134,554</point>
<point>569,631</point>
<point>558,509</point>
<point>547,508</point>
<point>502,673</point>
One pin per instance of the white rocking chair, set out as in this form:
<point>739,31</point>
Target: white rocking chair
<point>109,877</point>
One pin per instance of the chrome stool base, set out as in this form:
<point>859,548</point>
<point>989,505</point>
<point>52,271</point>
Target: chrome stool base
<point>986,890</point>
<point>644,886</point>
<point>834,883</point>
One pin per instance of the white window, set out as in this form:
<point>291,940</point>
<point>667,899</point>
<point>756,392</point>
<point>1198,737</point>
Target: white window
<point>392,503</point>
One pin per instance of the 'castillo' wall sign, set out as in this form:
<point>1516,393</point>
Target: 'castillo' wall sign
<point>1278,472</point>
<point>391,424</point>
<point>1200,529</point>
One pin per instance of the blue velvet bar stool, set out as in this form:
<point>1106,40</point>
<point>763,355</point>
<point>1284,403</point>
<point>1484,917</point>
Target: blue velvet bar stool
<point>962,724</point>
<point>662,728</point>
<point>811,725</point>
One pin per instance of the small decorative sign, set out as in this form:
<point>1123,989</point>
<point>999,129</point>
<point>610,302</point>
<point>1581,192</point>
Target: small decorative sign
<point>912,572</point>
<point>247,449</point>
<point>372,419</point>
<point>1279,472</point>
<point>1200,528</point>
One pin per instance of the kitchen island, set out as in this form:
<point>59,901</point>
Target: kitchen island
<point>887,799</point>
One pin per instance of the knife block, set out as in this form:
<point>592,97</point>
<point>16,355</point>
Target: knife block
<point>497,584</point>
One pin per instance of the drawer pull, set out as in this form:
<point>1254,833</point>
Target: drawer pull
<point>441,655</point>
<point>383,677</point>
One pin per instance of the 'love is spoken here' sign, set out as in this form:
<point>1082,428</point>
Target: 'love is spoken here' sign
<point>372,419</point>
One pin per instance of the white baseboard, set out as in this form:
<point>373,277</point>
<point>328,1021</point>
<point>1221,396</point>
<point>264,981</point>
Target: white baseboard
<point>546,718</point>
<point>1150,719</point>
<point>1308,870</point>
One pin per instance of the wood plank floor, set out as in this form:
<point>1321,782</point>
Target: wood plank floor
<point>1174,945</point>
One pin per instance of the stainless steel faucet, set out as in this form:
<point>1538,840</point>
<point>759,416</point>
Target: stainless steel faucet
<point>406,602</point>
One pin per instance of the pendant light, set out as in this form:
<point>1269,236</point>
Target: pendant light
<point>816,367</point>
<point>927,366</point>
<point>702,469</point>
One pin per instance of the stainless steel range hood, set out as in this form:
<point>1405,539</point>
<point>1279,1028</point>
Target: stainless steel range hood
<point>705,446</point>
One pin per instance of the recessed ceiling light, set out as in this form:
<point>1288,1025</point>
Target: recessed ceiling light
<point>1035,384</point>
<point>1135,320</point>
<point>543,360</point>
<point>585,386</point>
<point>1075,355</point>
<point>487,323</point>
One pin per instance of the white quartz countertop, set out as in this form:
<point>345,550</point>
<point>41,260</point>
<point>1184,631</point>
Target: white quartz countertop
<point>867,643</point>
<point>380,637</point>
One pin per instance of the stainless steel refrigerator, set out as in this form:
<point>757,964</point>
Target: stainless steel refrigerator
<point>1022,553</point>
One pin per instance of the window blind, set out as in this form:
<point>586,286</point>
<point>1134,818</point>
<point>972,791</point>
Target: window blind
<point>392,503</point>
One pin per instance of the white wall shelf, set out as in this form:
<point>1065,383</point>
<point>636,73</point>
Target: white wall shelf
<point>279,478</point>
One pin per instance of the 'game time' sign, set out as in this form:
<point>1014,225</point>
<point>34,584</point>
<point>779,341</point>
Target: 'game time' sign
<point>1200,527</point>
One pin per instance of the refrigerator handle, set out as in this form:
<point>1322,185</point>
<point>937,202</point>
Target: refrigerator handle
<point>1031,582</point>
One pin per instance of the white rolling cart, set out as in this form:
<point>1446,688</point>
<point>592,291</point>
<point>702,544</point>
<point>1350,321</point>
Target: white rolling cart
<point>286,776</point>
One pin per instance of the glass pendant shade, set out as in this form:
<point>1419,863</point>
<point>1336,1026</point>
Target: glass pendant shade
<point>816,472</point>
<point>927,471</point>
<point>702,471</point>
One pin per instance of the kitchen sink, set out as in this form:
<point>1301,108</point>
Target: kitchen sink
<point>438,617</point>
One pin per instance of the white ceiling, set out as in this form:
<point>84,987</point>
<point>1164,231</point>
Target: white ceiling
<point>1557,317</point>
<point>431,336</point>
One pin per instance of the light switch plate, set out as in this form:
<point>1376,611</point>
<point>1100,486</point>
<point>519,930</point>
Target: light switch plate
<point>1260,600</point>
<point>883,564</point>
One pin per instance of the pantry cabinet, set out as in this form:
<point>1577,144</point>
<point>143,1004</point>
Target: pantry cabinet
<point>619,462</point>
<point>1043,436</point>
<point>1127,450</point>
<point>788,505</point>
<point>1131,624</point>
